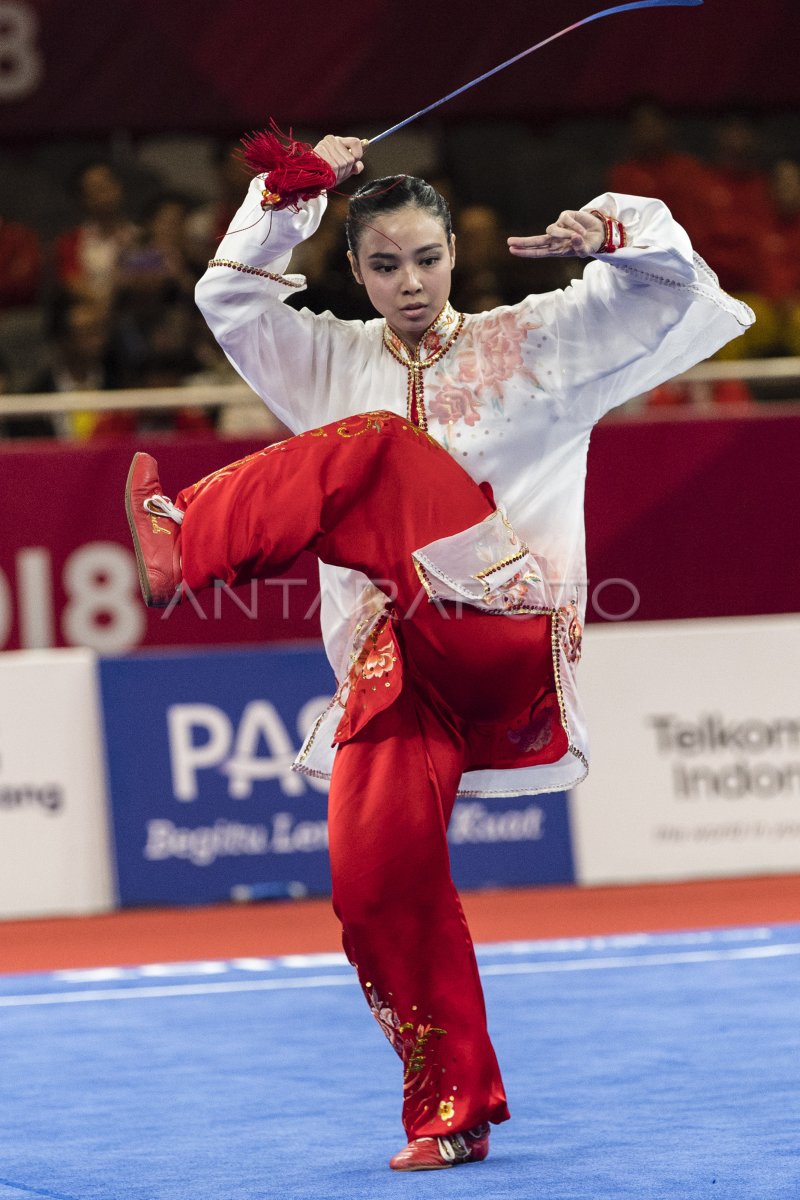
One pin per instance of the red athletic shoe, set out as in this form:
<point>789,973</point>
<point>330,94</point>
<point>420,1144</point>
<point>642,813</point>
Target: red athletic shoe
<point>155,528</point>
<point>435,1153</point>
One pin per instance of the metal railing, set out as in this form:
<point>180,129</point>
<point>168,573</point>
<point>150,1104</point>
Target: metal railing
<point>773,370</point>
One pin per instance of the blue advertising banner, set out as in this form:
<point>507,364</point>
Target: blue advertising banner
<point>205,804</point>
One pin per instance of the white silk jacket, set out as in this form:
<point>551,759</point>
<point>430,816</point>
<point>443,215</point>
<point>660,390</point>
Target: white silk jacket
<point>512,393</point>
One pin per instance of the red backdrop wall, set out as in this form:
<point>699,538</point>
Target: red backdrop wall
<point>145,65</point>
<point>696,518</point>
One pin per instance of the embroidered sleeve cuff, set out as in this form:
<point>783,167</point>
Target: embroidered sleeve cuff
<point>486,565</point>
<point>289,281</point>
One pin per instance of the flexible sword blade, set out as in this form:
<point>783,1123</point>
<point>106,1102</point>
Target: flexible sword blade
<point>606,12</point>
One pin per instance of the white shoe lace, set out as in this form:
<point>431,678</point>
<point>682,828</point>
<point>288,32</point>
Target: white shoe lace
<point>161,506</point>
<point>453,1147</point>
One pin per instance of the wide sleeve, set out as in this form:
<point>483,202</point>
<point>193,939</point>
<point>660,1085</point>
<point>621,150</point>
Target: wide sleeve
<point>637,317</point>
<point>297,361</point>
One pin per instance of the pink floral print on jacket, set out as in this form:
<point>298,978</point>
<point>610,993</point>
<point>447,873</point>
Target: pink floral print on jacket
<point>488,355</point>
<point>455,402</point>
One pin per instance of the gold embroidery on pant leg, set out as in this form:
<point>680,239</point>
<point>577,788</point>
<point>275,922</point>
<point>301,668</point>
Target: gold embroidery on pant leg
<point>229,468</point>
<point>373,422</point>
<point>416,1058</point>
<point>413,1052</point>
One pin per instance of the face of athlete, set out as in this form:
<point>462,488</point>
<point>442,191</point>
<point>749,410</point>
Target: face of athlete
<point>404,261</point>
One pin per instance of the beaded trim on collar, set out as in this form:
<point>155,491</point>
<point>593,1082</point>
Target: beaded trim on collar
<point>437,339</point>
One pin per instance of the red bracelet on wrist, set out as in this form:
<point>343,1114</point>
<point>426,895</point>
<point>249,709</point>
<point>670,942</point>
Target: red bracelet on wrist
<point>614,235</point>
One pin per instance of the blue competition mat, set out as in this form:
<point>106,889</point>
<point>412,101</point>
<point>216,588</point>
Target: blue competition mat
<point>639,1066</point>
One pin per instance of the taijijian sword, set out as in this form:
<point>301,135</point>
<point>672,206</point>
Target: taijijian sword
<point>607,12</point>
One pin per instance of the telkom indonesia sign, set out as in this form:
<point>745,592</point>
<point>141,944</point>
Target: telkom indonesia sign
<point>204,800</point>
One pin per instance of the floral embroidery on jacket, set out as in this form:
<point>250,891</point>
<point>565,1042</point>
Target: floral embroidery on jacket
<point>570,632</point>
<point>503,335</point>
<point>455,402</point>
<point>437,338</point>
<point>432,342</point>
<point>487,357</point>
<point>379,662</point>
<point>514,592</point>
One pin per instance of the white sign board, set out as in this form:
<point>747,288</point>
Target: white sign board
<point>694,733</point>
<point>54,844</point>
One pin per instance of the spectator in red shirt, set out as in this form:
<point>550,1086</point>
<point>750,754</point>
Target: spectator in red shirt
<point>656,168</point>
<point>696,199</point>
<point>20,265</point>
<point>782,254</point>
<point>87,256</point>
<point>782,281</point>
<point>737,215</point>
<point>734,193</point>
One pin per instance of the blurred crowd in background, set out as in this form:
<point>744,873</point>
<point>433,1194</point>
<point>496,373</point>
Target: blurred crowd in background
<point>100,250</point>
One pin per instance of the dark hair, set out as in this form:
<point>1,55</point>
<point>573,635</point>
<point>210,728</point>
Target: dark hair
<point>160,200</point>
<point>388,194</point>
<point>76,176</point>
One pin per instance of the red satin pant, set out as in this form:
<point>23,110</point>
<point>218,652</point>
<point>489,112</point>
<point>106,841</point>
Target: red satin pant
<point>363,493</point>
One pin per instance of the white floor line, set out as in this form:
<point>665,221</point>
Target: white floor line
<point>643,960</point>
<point>165,991</point>
<point>553,948</point>
<point>176,989</point>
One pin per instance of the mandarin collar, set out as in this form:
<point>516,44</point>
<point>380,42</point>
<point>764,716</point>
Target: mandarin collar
<point>436,339</point>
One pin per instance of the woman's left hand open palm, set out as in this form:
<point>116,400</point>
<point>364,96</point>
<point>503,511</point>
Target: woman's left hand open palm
<point>575,234</point>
